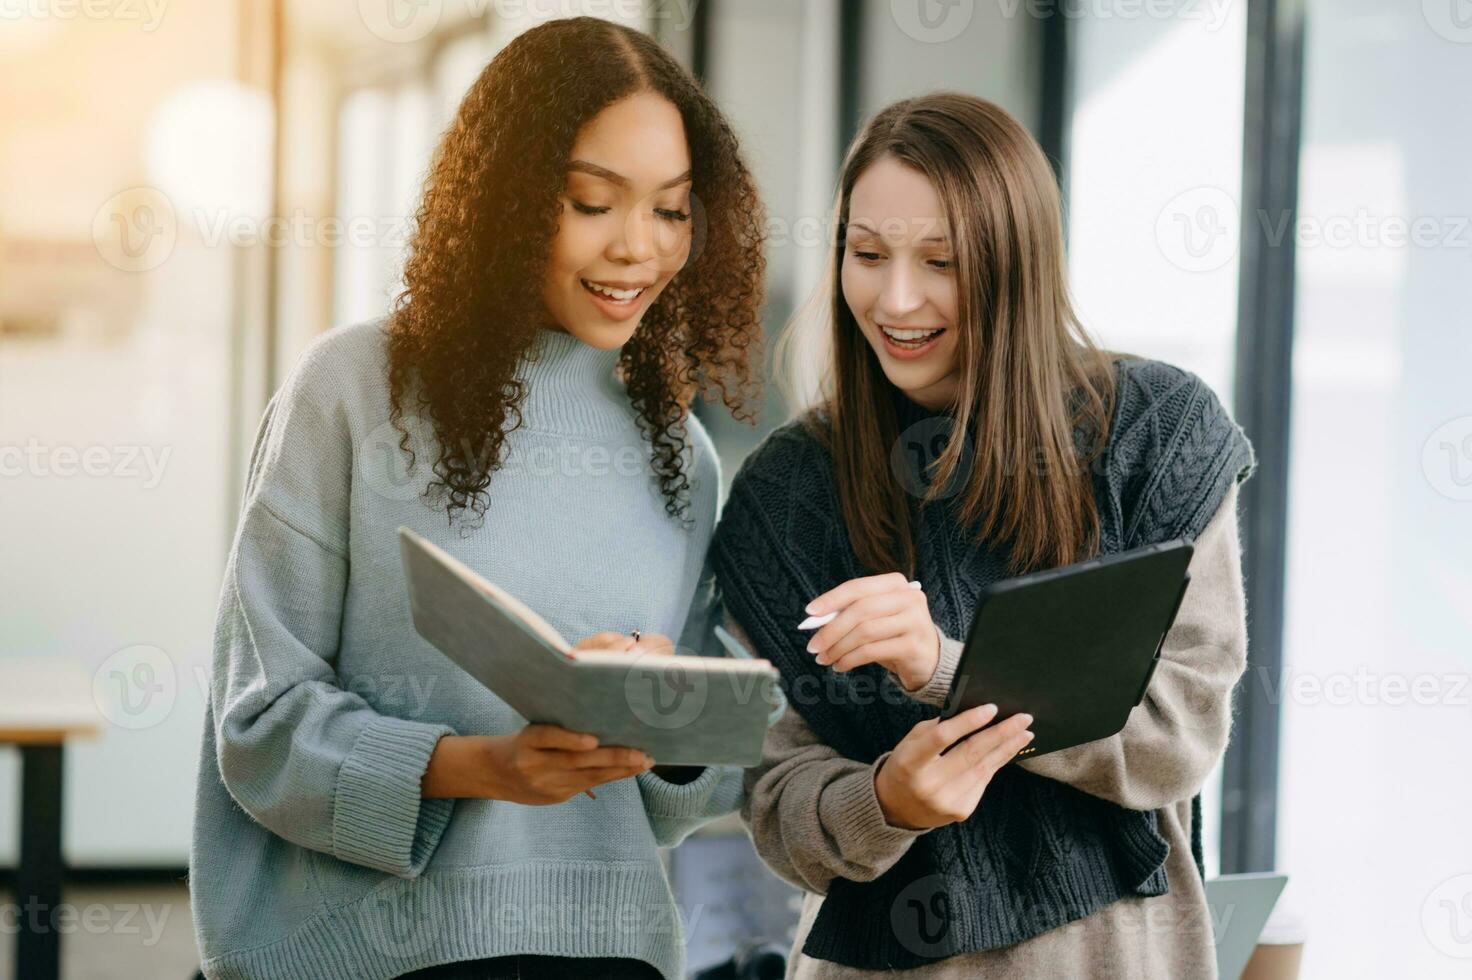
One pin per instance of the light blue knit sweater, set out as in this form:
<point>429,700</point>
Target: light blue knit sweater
<point>313,853</point>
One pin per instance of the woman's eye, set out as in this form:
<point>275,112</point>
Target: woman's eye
<point>589,208</point>
<point>670,214</point>
<point>863,256</point>
<point>941,263</point>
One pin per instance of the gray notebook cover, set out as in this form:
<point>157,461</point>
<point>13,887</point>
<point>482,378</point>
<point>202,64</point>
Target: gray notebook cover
<point>682,710</point>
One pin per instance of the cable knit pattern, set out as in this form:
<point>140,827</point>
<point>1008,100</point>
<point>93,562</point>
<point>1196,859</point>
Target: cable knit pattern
<point>1039,853</point>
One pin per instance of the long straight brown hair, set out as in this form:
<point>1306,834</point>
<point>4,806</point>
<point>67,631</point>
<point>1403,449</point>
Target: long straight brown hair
<point>1029,373</point>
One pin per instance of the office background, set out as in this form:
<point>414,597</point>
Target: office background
<point>1273,193</point>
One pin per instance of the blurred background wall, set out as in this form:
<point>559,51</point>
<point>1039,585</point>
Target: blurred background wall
<point>191,191</point>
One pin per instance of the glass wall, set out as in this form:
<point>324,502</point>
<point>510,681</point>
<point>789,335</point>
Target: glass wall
<point>774,68</point>
<point>119,336</point>
<point>135,238</point>
<point>1155,176</point>
<point>1377,706</point>
<point>136,163</point>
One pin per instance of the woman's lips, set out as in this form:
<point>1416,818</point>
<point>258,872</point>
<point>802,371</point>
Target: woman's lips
<point>616,307</point>
<point>910,350</point>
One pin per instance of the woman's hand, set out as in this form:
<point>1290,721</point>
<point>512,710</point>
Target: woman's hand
<point>625,643</point>
<point>654,643</point>
<point>538,765</point>
<point>883,621</point>
<point>920,789</point>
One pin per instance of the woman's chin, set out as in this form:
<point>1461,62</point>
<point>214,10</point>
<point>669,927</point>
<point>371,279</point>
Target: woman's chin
<point>604,335</point>
<point>927,389</point>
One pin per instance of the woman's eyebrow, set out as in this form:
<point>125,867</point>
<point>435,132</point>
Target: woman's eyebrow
<point>861,226</point>
<point>585,167</point>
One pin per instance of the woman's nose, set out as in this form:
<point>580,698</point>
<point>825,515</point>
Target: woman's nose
<point>899,294</point>
<point>636,242</point>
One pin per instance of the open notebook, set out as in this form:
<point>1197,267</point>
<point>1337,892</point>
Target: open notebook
<point>682,710</point>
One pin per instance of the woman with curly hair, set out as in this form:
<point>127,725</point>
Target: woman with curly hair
<point>969,430</point>
<point>587,258</point>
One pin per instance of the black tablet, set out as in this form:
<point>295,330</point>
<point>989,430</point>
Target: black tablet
<point>1075,647</point>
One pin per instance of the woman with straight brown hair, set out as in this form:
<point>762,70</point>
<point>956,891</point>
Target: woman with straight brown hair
<point>967,429</point>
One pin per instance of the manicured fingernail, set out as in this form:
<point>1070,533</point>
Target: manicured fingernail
<point>1030,737</point>
<point>811,608</point>
<point>1028,719</point>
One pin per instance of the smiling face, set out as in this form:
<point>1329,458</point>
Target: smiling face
<point>625,225</point>
<point>898,280</point>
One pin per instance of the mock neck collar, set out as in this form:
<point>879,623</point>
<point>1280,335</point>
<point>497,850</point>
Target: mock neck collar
<point>571,387</point>
<point>908,411</point>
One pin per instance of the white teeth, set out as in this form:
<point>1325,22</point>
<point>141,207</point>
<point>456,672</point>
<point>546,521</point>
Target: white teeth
<point>622,295</point>
<point>908,336</point>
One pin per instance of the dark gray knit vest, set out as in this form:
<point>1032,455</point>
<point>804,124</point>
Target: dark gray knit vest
<point>1036,854</point>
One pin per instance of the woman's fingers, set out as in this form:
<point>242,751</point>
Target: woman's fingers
<point>604,758</point>
<point>949,731</point>
<point>625,643</point>
<point>557,737</point>
<point>853,590</point>
<point>595,777</point>
<point>987,751</point>
<point>606,640</point>
<point>889,644</point>
<point>653,643</point>
<point>839,635</point>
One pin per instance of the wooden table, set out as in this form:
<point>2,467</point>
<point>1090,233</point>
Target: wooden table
<point>43,702</point>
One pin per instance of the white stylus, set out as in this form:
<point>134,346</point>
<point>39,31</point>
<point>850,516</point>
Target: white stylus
<point>818,622</point>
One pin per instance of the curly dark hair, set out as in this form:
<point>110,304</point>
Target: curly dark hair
<point>471,303</point>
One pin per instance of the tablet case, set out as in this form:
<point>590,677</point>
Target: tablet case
<point>682,710</point>
<point>1074,646</point>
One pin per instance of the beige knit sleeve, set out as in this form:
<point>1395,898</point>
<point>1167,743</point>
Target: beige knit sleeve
<point>938,687</point>
<point>1176,735</point>
<point>812,813</point>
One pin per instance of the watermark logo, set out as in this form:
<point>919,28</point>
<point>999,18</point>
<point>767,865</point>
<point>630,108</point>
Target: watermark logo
<point>1212,13</point>
<point>932,21</point>
<point>1199,230</point>
<point>1451,19</point>
<point>666,699</point>
<point>95,919</point>
<point>1446,459</point>
<point>672,239</point>
<point>400,21</point>
<point>1446,917</point>
<point>407,21</point>
<point>384,466</point>
<point>915,452</point>
<point>136,687</point>
<point>136,229</point>
<point>149,14</point>
<point>921,917</point>
<point>402,922</point>
<point>40,460</point>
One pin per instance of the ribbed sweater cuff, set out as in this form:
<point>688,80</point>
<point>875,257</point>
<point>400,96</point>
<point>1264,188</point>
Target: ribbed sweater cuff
<point>379,818</point>
<point>853,815</point>
<point>938,687</point>
<point>680,801</point>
